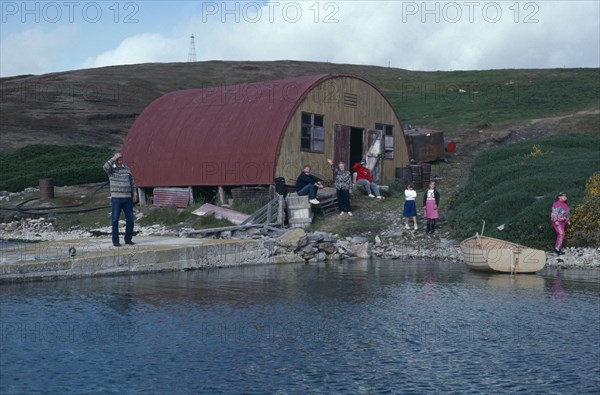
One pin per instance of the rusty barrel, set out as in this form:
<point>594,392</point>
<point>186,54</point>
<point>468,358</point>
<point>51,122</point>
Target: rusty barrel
<point>449,146</point>
<point>416,172</point>
<point>46,189</point>
<point>426,173</point>
<point>403,175</point>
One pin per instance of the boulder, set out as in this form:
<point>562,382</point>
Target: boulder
<point>292,238</point>
<point>327,247</point>
<point>360,250</point>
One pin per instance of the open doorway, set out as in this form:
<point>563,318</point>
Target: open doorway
<point>356,145</point>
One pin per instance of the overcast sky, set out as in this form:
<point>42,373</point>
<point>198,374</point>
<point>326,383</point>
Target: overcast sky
<point>39,37</point>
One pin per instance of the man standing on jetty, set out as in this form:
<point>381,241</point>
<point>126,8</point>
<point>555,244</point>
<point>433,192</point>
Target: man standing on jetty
<point>123,196</point>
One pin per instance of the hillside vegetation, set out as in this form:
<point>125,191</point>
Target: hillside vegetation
<point>516,185</point>
<point>66,165</point>
<point>481,99</point>
<point>98,106</point>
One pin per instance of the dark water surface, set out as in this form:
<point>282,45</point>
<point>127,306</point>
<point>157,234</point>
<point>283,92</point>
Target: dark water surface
<point>357,327</point>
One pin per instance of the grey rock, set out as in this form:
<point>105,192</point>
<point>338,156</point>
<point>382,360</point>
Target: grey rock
<point>309,250</point>
<point>362,250</point>
<point>292,238</point>
<point>315,237</point>
<point>226,234</point>
<point>327,247</point>
<point>240,234</point>
<point>358,240</point>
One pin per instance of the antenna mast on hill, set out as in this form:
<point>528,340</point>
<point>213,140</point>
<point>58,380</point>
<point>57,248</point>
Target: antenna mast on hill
<point>192,53</point>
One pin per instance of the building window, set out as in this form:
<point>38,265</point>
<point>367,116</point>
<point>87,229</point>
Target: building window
<point>388,138</point>
<point>313,133</point>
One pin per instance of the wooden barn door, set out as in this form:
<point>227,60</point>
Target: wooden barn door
<point>341,145</point>
<point>374,153</point>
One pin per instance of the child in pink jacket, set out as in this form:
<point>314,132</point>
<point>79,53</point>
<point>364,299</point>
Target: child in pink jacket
<point>560,217</point>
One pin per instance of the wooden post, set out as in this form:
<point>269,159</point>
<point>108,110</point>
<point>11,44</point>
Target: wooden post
<point>191,196</point>
<point>269,215</point>
<point>221,192</point>
<point>280,209</point>
<point>142,196</point>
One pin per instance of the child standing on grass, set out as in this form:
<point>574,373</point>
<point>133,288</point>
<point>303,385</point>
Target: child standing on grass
<point>410,206</point>
<point>431,200</point>
<point>560,216</point>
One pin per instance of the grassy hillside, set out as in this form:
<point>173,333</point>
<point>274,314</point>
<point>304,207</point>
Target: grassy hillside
<point>480,99</point>
<point>516,185</point>
<point>97,106</point>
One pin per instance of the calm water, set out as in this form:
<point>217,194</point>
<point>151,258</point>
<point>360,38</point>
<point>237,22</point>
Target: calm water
<point>358,327</point>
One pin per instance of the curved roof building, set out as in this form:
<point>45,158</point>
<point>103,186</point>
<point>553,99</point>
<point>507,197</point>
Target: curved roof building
<point>249,134</point>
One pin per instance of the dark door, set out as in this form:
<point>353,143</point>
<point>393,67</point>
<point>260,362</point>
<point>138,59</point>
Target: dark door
<point>341,150</point>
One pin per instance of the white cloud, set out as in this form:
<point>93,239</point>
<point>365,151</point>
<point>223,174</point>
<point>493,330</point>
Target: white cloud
<point>35,51</point>
<point>563,33</point>
<point>142,48</point>
<point>557,34</point>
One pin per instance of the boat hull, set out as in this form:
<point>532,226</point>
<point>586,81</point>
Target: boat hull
<point>489,254</point>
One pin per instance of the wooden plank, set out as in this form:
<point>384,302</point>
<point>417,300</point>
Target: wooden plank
<point>226,228</point>
<point>220,212</point>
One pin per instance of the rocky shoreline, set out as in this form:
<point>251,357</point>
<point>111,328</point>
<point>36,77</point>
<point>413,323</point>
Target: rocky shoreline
<point>392,244</point>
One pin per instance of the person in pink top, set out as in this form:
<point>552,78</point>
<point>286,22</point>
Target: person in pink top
<point>431,200</point>
<point>560,217</point>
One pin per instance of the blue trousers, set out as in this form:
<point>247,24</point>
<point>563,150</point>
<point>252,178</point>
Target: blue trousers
<point>308,189</point>
<point>370,187</point>
<point>125,204</point>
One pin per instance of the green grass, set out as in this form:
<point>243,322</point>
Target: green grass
<point>371,216</point>
<point>65,164</point>
<point>249,207</point>
<point>510,186</point>
<point>432,99</point>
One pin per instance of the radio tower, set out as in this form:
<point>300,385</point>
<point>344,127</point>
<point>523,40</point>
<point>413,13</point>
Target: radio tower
<point>192,53</point>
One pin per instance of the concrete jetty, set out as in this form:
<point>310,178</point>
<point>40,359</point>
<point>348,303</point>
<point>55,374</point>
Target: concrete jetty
<point>53,260</point>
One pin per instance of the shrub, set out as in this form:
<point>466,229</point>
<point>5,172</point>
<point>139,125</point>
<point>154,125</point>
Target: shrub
<point>66,165</point>
<point>585,217</point>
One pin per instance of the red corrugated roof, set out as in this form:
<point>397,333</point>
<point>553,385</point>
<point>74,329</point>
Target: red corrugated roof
<point>226,135</point>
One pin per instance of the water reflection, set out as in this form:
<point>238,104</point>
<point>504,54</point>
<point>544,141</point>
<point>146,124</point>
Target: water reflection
<point>505,281</point>
<point>355,327</point>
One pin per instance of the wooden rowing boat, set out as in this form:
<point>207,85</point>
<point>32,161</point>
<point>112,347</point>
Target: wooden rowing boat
<point>489,254</point>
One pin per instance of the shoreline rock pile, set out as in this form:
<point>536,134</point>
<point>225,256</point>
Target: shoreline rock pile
<point>297,245</point>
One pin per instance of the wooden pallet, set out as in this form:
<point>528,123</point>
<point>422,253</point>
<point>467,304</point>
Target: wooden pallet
<point>329,201</point>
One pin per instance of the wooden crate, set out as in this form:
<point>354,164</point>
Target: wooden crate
<point>300,222</point>
<point>293,200</point>
<point>299,211</point>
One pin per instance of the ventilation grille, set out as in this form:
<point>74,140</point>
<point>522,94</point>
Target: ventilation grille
<point>350,100</point>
